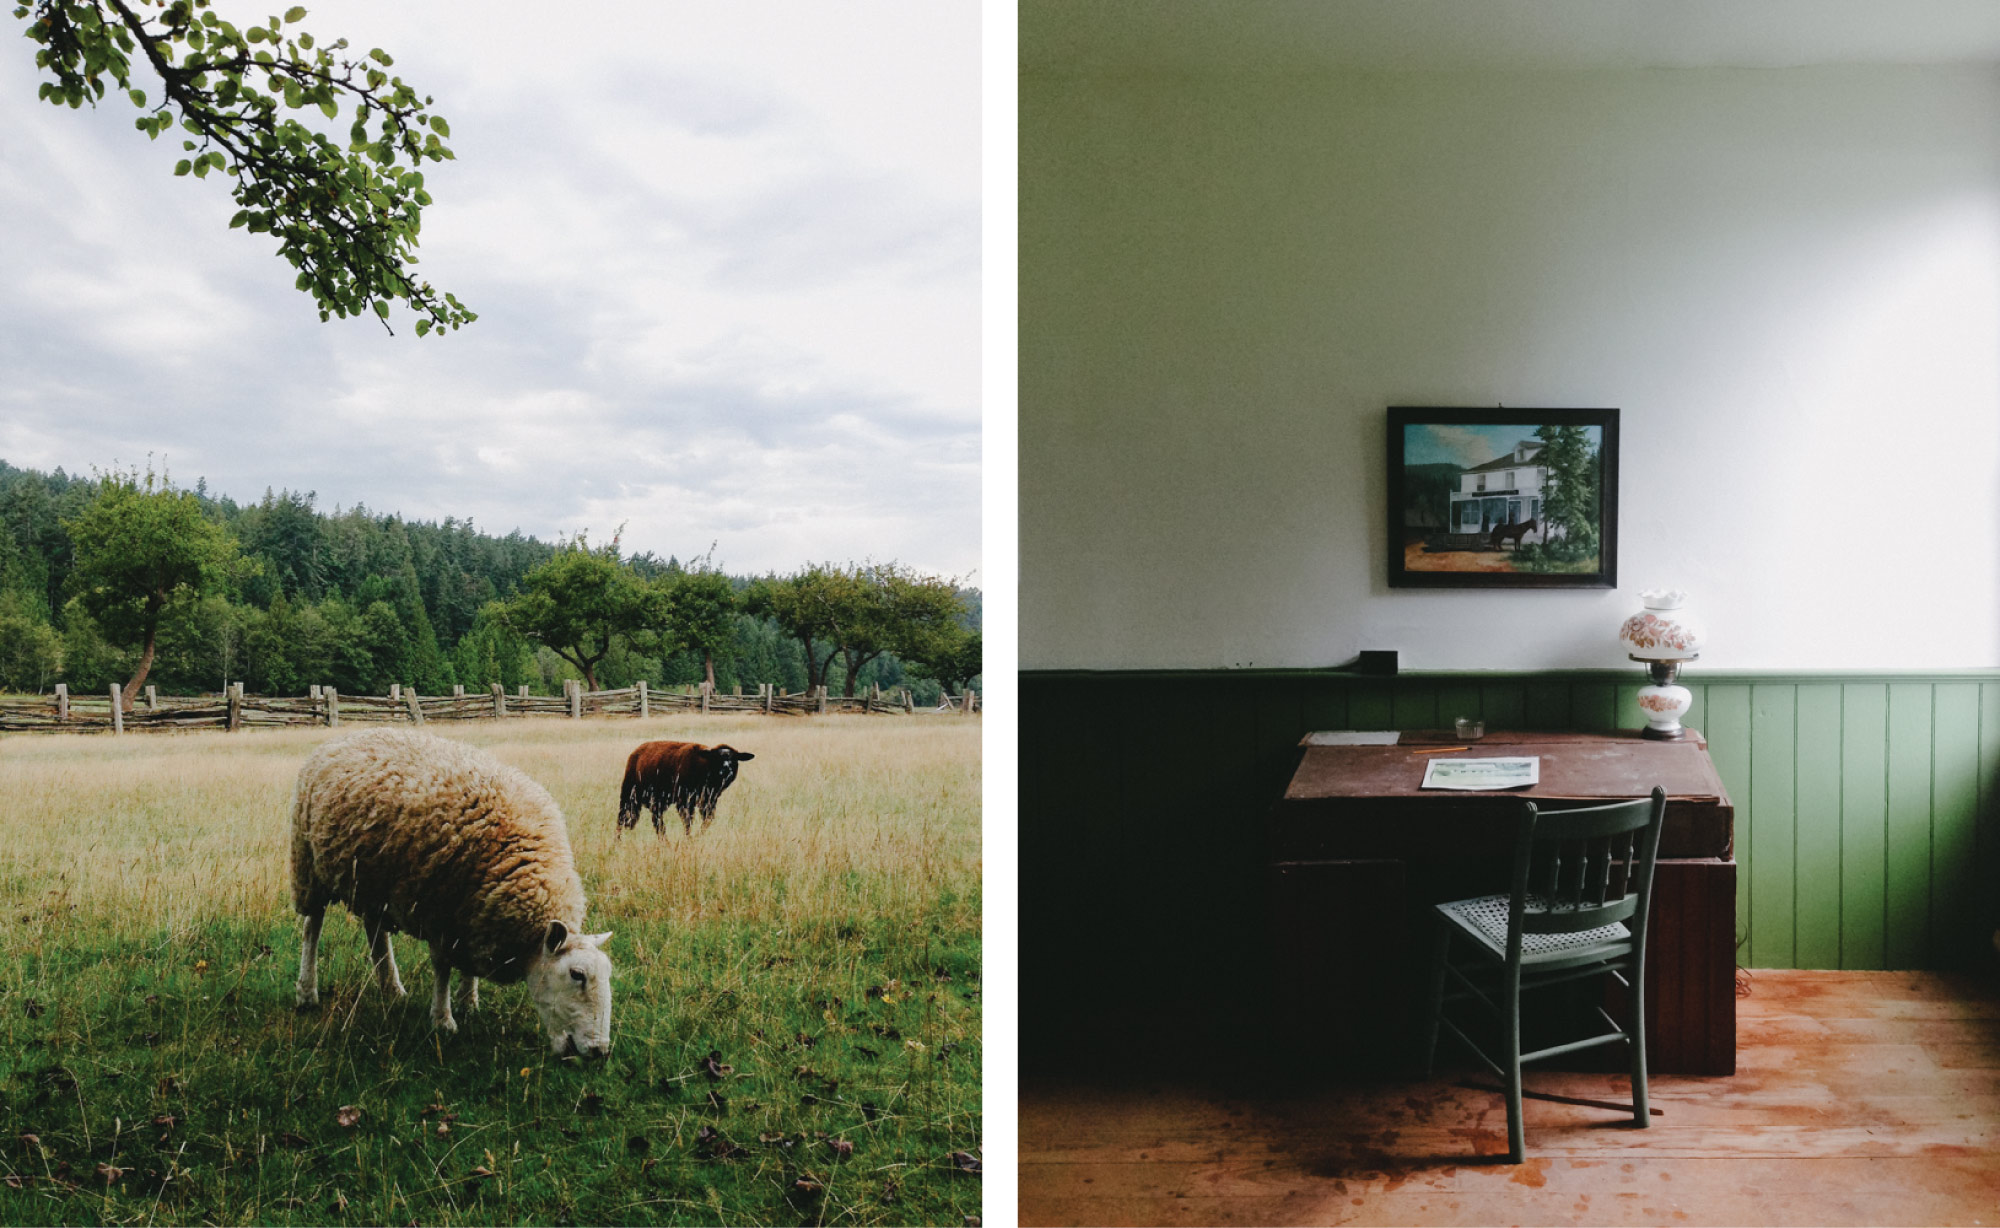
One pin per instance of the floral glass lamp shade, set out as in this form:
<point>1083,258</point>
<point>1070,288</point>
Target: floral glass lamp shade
<point>1662,635</point>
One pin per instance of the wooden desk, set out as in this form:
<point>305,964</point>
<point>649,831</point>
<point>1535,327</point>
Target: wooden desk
<point>1358,853</point>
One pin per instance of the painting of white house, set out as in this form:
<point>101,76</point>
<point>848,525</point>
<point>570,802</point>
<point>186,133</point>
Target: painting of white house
<point>1498,497</point>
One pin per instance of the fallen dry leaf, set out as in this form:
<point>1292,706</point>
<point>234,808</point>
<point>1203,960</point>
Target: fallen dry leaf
<point>966,1162</point>
<point>712,1065</point>
<point>842,1149</point>
<point>111,1172</point>
<point>348,1115</point>
<point>808,1185</point>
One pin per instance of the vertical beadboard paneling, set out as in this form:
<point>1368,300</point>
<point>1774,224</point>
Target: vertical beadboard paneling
<point>1773,838</point>
<point>1416,706</point>
<point>1323,705</point>
<point>1504,704</point>
<point>1371,705</point>
<point>1460,699</point>
<point>1547,706</point>
<point>1816,840</point>
<point>1728,734</point>
<point>1594,706</point>
<point>1867,821</point>
<point>1908,864</point>
<point>1864,824</point>
<point>1954,821</point>
<point>1988,917</point>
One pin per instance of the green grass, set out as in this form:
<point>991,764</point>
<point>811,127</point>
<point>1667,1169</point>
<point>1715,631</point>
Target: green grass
<point>822,942</point>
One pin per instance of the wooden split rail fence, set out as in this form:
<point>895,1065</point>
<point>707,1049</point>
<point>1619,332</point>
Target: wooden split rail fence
<point>232,709</point>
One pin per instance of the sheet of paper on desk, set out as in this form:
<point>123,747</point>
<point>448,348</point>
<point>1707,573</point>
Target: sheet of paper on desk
<point>1483,773</point>
<point>1351,737</point>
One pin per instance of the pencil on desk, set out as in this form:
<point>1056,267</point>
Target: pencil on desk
<point>1439,750</point>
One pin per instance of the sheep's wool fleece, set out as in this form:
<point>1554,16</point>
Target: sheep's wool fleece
<point>441,840</point>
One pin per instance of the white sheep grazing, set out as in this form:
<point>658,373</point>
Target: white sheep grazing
<point>421,835</point>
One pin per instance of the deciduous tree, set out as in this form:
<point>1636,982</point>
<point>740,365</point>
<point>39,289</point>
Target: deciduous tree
<point>579,604</point>
<point>142,550</point>
<point>346,213</point>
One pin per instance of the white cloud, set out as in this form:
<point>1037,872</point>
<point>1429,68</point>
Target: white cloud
<point>725,258</point>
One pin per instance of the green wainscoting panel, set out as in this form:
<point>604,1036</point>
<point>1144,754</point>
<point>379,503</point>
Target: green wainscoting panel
<point>1867,818</point>
<point>1908,863</point>
<point>1816,828</point>
<point>1770,842</point>
<point>1864,825</point>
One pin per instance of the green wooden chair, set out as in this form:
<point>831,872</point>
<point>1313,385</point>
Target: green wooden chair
<point>1583,883</point>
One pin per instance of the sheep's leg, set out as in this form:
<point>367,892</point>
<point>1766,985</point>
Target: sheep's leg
<point>687,818</point>
<point>707,815</point>
<point>309,960</point>
<point>441,990</point>
<point>471,994</point>
<point>383,954</point>
<point>659,810</point>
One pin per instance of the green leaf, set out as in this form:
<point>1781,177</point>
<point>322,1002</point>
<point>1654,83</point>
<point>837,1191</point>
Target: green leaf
<point>329,108</point>
<point>380,57</point>
<point>423,326</point>
<point>138,98</point>
<point>381,309</point>
<point>183,166</point>
<point>242,216</point>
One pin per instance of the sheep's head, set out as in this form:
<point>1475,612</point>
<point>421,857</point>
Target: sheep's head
<point>726,759</point>
<point>570,982</point>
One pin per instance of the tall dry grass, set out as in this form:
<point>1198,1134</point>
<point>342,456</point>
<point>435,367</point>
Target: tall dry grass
<point>141,833</point>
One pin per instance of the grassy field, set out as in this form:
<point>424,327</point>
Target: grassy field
<point>796,1022</point>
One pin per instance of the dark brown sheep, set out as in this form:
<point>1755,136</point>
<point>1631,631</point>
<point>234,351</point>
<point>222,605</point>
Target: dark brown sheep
<point>685,775</point>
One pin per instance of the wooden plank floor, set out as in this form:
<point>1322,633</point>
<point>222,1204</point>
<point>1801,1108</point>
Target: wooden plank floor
<point>1859,1098</point>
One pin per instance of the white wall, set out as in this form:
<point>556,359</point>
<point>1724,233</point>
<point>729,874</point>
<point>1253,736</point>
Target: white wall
<point>1787,279</point>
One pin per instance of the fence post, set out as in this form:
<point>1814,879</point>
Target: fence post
<point>415,704</point>
<point>62,701</point>
<point>232,719</point>
<point>523,692</point>
<point>645,701</point>
<point>575,689</point>
<point>152,698</point>
<point>117,710</point>
<point>704,698</point>
<point>499,700</point>
<point>770,690</point>
<point>396,692</point>
<point>458,690</point>
<point>332,697</point>
<point>909,701</point>
<point>822,699</point>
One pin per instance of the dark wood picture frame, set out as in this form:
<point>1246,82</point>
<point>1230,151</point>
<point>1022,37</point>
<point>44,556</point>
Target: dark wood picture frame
<point>1457,521</point>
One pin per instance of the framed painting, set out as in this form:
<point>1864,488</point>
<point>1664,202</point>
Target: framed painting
<point>1503,498</point>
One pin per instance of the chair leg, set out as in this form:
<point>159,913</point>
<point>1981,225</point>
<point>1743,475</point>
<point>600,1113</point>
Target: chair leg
<point>1440,951</point>
<point>1517,1142</point>
<point>1636,1031</point>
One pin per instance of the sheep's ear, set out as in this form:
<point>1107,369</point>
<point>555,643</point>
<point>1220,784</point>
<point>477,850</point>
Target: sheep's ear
<point>596,940</point>
<point>558,934</point>
<point>744,754</point>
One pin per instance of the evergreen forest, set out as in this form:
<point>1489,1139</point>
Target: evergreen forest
<point>121,578</point>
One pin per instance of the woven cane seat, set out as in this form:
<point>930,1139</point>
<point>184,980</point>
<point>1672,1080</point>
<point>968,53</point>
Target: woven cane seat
<point>1485,918</point>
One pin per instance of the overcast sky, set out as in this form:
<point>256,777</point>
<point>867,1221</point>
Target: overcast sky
<point>725,257</point>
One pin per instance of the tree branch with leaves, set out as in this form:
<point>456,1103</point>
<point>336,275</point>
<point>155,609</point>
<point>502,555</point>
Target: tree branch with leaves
<point>347,216</point>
